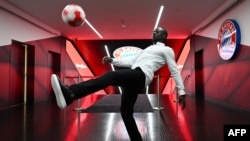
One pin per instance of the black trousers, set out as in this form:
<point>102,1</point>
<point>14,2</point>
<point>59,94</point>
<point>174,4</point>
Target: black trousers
<point>131,81</point>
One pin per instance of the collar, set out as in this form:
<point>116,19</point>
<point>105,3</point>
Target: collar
<point>160,43</point>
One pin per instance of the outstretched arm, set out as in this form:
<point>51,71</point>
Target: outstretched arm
<point>170,60</point>
<point>119,62</point>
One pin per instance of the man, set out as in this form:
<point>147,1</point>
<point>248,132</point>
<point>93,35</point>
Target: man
<point>140,74</point>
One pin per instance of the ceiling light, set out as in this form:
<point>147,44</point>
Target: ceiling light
<point>107,51</point>
<point>158,17</point>
<point>93,28</point>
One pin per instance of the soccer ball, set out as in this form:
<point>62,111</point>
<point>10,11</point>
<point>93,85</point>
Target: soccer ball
<point>73,15</point>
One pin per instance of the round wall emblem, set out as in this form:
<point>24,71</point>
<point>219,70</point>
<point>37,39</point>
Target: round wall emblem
<point>229,39</point>
<point>126,52</point>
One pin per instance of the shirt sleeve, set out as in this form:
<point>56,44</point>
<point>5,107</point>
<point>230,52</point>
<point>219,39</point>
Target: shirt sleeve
<point>170,60</point>
<point>126,62</point>
<point>123,62</point>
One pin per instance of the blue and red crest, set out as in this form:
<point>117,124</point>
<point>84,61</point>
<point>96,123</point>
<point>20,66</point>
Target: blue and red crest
<point>229,39</point>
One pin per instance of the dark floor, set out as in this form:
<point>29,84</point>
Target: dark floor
<point>44,121</point>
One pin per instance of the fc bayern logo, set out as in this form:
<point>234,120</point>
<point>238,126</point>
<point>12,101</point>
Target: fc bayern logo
<point>126,52</point>
<point>229,39</point>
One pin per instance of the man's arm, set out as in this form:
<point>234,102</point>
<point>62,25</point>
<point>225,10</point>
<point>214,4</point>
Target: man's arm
<point>119,62</point>
<point>170,60</point>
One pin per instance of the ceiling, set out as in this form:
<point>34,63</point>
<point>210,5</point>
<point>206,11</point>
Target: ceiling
<point>119,19</point>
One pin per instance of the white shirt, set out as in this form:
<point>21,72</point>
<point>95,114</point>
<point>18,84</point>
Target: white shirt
<point>150,60</point>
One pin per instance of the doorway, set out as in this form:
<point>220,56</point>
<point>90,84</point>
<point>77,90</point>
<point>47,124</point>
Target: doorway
<point>21,73</point>
<point>199,75</point>
<point>54,67</point>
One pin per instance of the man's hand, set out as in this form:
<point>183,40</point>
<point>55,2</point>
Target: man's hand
<point>107,59</point>
<point>182,101</point>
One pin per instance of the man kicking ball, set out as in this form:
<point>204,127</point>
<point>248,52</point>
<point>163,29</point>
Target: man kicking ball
<point>132,81</point>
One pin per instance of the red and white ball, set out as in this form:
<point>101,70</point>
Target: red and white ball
<point>73,15</point>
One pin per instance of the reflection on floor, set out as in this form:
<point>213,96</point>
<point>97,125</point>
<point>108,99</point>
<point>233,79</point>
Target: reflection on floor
<point>44,121</point>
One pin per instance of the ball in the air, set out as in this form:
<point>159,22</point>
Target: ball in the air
<point>73,15</point>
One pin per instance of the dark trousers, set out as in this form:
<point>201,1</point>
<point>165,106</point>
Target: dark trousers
<point>131,81</point>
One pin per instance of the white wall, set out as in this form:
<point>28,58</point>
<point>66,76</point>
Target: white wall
<point>13,27</point>
<point>239,12</point>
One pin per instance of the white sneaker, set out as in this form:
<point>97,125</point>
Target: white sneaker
<point>62,92</point>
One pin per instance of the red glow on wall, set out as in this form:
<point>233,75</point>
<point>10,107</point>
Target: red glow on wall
<point>170,85</point>
<point>80,65</point>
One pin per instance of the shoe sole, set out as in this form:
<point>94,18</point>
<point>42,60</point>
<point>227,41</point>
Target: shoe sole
<point>58,92</point>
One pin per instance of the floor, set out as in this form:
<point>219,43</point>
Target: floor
<point>44,121</point>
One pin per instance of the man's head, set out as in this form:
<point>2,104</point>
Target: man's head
<point>159,35</point>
